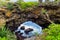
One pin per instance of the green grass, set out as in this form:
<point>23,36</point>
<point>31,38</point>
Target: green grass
<point>25,5</point>
<point>51,33</point>
<point>21,4</point>
<point>6,34</point>
<point>2,3</point>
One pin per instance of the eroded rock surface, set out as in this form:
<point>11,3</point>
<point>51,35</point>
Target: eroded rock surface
<point>16,17</point>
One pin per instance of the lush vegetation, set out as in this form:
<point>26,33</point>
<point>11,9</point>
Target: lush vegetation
<point>51,33</point>
<point>20,3</point>
<point>2,3</point>
<point>25,5</point>
<point>6,34</point>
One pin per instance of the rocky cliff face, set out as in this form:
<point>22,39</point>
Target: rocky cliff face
<point>16,16</point>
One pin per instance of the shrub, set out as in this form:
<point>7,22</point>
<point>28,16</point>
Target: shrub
<point>51,33</point>
<point>9,6</point>
<point>2,3</point>
<point>6,34</point>
<point>4,38</point>
<point>25,5</point>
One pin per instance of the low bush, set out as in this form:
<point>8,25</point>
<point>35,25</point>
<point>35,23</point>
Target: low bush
<point>6,34</point>
<point>25,5</point>
<point>50,33</point>
<point>2,3</point>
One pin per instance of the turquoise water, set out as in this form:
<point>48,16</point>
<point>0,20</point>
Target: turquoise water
<point>29,24</point>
